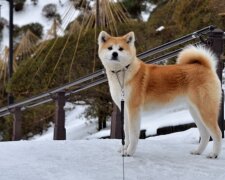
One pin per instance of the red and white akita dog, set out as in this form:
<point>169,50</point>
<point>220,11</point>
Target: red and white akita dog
<point>146,86</point>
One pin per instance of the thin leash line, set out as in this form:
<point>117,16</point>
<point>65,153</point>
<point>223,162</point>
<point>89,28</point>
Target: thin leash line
<point>117,76</point>
<point>122,115</point>
<point>122,133</point>
<point>123,165</point>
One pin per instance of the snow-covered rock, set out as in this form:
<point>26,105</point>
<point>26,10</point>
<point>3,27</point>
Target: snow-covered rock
<point>160,28</point>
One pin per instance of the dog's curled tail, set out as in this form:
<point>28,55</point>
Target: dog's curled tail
<point>197,54</point>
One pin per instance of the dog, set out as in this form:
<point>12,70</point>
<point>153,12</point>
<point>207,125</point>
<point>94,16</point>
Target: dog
<point>145,86</point>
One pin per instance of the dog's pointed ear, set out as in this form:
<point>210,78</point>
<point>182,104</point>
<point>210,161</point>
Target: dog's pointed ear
<point>130,37</point>
<point>103,37</point>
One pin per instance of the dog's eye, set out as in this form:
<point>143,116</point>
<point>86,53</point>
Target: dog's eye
<point>120,49</point>
<point>110,48</point>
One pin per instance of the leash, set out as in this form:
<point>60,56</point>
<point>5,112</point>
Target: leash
<point>122,133</point>
<point>122,100</point>
<point>122,108</point>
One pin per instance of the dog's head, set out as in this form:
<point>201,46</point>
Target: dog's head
<point>116,52</point>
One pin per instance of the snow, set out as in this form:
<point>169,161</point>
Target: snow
<point>156,158</point>
<point>25,17</point>
<point>5,38</point>
<point>164,118</point>
<point>149,8</point>
<point>100,134</point>
<point>160,28</point>
<point>77,126</point>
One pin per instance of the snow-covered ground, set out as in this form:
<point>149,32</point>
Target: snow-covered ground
<point>162,157</point>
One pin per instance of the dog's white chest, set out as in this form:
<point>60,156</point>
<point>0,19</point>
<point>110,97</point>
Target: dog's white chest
<point>116,86</point>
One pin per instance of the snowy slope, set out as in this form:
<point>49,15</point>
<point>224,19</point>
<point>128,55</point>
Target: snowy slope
<point>162,157</point>
<point>32,14</point>
<point>77,127</point>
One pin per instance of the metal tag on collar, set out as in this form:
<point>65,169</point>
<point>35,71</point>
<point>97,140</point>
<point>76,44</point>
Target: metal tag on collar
<point>122,94</point>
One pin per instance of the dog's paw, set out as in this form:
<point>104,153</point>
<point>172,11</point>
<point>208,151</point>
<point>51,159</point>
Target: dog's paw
<point>212,156</point>
<point>125,154</point>
<point>122,149</point>
<point>195,152</point>
<point>130,151</point>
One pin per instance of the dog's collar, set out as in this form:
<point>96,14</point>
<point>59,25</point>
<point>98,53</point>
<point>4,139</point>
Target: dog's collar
<point>123,69</point>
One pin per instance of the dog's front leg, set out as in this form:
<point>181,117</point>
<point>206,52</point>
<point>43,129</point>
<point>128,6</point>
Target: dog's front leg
<point>123,149</point>
<point>134,131</point>
<point>126,129</point>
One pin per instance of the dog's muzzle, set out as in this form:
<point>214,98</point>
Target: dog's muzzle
<point>114,56</point>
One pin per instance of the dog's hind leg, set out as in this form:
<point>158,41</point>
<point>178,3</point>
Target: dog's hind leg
<point>207,103</point>
<point>204,134</point>
<point>214,130</point>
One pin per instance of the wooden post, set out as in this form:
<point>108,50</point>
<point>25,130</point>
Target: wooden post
<point>100,119</point>
<point>17,122</point>
<point>115,123</point>
<point>216,43</point>
<point>59,129</point>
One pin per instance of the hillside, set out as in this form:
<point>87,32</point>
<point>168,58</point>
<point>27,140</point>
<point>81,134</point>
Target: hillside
<point>181,17</point>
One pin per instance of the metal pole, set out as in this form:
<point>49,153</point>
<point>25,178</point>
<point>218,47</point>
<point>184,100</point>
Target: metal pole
<point>216,43</point>
<point>0,10</point>
<point>10,61</point>
<point>59,130</point>
<point>97,14</point>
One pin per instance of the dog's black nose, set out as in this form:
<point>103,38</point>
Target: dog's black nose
<point>115,54</point>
